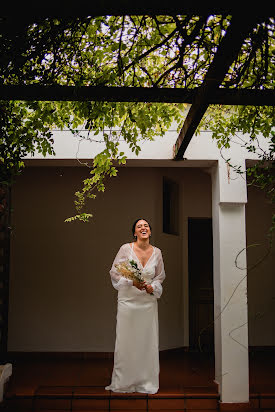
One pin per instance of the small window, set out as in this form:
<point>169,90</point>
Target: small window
<point>170,207</point>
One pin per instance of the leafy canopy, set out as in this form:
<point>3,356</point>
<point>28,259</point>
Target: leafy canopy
<point>145,51</point>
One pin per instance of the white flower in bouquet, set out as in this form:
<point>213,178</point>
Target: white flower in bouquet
<point>129,269</point>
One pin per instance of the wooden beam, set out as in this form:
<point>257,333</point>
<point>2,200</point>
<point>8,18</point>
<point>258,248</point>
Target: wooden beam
<point>95,93</point>
<point>227,52</point>
<point>135,94</point>
<point>242,97</point>
<point>82,8</point>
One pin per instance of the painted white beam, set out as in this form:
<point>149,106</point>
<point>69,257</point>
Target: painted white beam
<point>230,284</point>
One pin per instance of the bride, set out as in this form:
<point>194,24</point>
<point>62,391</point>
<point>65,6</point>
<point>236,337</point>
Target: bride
<point>136,357</point>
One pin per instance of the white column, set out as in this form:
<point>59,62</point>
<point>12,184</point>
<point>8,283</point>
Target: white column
<point>230,284</point>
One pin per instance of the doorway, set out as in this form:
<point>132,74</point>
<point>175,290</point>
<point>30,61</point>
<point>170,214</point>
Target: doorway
<point>201,293</point>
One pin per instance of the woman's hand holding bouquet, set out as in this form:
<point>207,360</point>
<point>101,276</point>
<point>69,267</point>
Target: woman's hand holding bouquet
<point>130,270</point>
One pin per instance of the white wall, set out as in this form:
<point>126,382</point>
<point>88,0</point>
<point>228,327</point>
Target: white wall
<point>61,298</point>
<point>202,146</point>
<point>59,272</point>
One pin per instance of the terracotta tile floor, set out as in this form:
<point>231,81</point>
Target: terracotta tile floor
<point>178,373</point>
<point>182,375</point>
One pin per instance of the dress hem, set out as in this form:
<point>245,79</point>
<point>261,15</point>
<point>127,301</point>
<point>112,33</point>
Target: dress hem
<point>131,390</point>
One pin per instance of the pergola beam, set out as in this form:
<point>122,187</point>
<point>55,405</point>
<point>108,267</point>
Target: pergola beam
<point>82,8</point>
<point>227,52</point>
<point>135,94</point>
<point>95,93</point>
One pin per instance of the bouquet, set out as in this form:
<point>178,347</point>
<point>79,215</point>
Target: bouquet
<point>129,269</point>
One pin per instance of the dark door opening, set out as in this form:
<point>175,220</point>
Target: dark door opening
<point>201,294</point>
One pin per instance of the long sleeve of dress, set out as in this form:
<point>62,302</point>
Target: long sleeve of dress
<point>159,275</point>
<point>119,281</point>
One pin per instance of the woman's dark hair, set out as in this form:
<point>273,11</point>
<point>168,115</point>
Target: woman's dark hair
<point>134,225</point>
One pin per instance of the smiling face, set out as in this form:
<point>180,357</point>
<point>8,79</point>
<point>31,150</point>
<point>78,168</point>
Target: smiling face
<point>142,230</point>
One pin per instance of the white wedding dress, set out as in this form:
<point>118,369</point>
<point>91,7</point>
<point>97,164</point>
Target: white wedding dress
<point>136,357</point>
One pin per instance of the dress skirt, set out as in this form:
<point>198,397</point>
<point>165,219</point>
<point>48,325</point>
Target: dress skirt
<point>136,357</point>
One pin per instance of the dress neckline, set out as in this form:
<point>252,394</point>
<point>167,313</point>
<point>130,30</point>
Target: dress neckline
<point>143,267</point>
